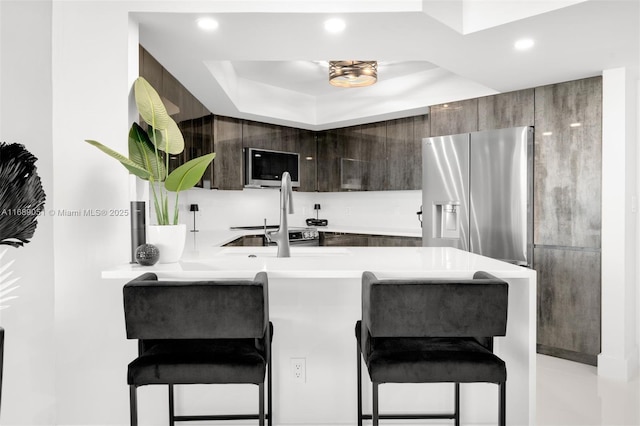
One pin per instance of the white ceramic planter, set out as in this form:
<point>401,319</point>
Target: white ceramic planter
<point>169,239</point>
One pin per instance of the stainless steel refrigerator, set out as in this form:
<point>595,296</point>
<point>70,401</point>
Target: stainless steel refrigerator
<point>477,193</point>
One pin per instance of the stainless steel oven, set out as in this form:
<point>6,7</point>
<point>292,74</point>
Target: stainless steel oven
<point>304,237</point>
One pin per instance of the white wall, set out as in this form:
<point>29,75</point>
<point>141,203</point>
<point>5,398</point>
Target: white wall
<point>619,356</point>
<point>392,211</point>
<point>90,45</point>
<point>28,395</point>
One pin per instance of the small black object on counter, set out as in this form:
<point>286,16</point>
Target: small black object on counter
<point>147,254</point>
<point>316,221</point>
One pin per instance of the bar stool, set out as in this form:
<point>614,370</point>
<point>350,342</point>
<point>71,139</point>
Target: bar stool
<point>431,331</point>
<point>203,332</point>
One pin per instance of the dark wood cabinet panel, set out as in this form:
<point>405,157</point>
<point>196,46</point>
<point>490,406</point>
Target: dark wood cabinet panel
<point>331,151</point>
<point>454,118</point>
<point>247,241</point>
<point>354,165</point>
<point>373,157</point>
<point>569,303</point>
<point>343,240</point>
<point>404,153</point>
<point>268,136</point>
<point>371,149</point>
<point>568,163</point>
<point>421,126</point>
<point>150,69</point>
<point>227,135</point>
<point>512,109</point>
<point>367,240</point>
<point>393,241</point>
<point>198,140</point>
<point>567,213</point>
<point>307,146</point>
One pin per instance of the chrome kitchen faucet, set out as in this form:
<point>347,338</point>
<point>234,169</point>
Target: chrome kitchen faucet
<point>281,236</point>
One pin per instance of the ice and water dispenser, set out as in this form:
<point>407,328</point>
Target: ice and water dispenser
<point>446,220</point>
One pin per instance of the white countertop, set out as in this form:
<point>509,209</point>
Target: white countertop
<point>205,260</point>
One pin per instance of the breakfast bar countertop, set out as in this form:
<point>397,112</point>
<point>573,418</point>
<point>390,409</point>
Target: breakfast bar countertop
<point>204,258</point>
<point>315,300</point>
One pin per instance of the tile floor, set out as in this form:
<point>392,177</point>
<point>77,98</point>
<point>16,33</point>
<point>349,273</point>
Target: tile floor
<point>570,393</point>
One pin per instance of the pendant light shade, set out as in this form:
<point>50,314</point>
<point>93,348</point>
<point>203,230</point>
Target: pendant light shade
<point>353,73</point>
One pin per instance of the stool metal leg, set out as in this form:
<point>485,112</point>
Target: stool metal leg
<point>375,404</point>
<point>269,376</point>
<point>502,419</point>
<point>172,414</point>
<point>133,405</point>
<point>269,395</point>
<point>359,364</point>
<point>261,404</point>
<point>456,412</point>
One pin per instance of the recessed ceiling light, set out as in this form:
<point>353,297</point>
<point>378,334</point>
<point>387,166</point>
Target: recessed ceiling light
<point>575,124</point>
<point>547,133</point>
<point>334,25</point>
<point>524,44</point>
<point>207,24</point>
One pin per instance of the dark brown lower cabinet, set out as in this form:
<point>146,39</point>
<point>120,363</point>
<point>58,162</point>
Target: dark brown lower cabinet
<point>569,303</point>
<point>391,241</point>
<point>340,239</point>
<point>247,241</point>
<point>365,240</point>
<point>344,240</point>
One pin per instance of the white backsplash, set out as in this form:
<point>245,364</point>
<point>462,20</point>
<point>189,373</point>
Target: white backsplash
<point>369,211</point>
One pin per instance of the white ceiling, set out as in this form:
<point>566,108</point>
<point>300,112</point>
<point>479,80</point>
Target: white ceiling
<point>267,61</point>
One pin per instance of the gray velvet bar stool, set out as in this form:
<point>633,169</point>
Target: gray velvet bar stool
<point>431,331</point>
<point>202,332</point>
<point>1,360</point>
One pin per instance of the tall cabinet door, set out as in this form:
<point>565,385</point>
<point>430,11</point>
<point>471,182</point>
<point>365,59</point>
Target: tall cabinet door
<point>568,218</point>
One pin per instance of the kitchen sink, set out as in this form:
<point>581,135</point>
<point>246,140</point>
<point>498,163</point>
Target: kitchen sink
<point>296,251</point>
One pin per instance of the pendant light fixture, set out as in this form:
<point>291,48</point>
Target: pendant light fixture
<point>353,73</point>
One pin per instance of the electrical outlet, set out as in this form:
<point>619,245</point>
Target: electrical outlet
<point>347,211</point>
<point>299,370</point>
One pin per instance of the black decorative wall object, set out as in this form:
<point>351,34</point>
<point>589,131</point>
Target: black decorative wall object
<point>21,195</point>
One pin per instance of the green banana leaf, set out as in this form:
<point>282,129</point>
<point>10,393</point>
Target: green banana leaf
<point>142,153</point>
<point>170,139</point>
<point>187,175</point>
<point>150,105</point>
<point>128,164</point>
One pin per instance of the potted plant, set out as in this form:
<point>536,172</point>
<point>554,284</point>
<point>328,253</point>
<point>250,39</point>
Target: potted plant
<point>21,203</point>
<point>148,159</point>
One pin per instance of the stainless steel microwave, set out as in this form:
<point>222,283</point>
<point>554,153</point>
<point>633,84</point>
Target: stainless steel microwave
<point>265,167</point>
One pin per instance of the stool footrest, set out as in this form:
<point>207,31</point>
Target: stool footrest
<point>410,416</point>
<point>217,417</point>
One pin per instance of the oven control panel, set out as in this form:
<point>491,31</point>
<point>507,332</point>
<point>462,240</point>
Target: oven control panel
<point>303,234</point>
